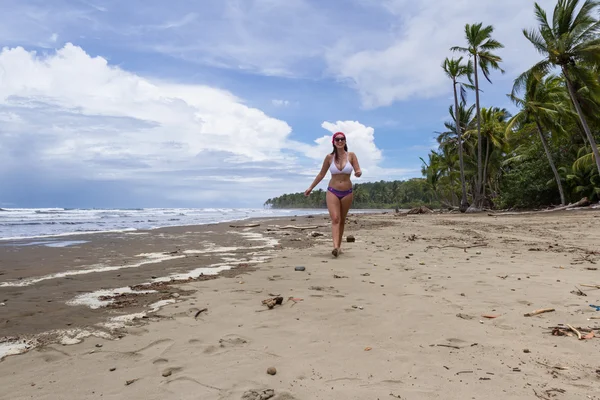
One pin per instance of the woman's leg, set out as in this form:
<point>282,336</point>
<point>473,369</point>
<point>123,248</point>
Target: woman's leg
<point>334,207</point>
<point>345,207</point>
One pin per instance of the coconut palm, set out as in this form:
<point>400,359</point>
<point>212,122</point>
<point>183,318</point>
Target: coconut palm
<point>480,47</point>
<point>569,43</point>
<point>543,104</point>
<point>455,69</point>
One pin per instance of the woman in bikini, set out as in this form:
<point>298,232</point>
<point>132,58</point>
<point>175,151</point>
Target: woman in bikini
<point>339,196</point>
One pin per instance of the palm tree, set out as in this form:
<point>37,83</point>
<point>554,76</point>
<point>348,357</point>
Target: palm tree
<point>542,104</point>
<point>455,69</point>
<point>569,43</point>
<point>480,47</point>
<point>493,128</point>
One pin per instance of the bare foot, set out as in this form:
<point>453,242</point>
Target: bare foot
<point>335,252</point>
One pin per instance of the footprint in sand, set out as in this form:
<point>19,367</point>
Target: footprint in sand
<point>153,350</point>
<point>228,341</point>
<point>50,354</point>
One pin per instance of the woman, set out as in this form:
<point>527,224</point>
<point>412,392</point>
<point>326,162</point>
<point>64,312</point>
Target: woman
<point>339,195</point>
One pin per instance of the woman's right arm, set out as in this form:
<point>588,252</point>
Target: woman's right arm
<point>320,175</point>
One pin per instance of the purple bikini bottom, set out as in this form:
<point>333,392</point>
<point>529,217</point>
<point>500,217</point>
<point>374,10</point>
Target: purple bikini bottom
<point>339,193</point>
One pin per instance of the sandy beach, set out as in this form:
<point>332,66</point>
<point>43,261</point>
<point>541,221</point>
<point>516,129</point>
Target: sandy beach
<point>418,307</point>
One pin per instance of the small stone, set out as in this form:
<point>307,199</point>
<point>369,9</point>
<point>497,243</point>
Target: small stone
<point>350,239</point>
<point>526,351</point>
<point>175,295</point>
<point>167,373</point>
<point>112,369</point>
<point>271,371</point>
<point>463,295</point>
<point>98,345</point>
<point>2,304</point>
<point>300,268</point>
<point>478,252</point>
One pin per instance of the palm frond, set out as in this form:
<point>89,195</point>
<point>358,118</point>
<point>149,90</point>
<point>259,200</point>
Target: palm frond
<point>537,40</point>
<point>584,162</point>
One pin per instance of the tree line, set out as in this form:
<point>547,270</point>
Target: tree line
<point>546,153</point>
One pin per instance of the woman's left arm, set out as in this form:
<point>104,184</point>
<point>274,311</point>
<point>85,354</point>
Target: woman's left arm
<point>355,165</point>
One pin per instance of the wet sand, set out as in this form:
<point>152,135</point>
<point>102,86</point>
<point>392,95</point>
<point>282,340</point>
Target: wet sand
<point>419,307</point>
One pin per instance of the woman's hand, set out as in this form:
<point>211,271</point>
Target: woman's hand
<point>357,173</point>
<point>307,192</point>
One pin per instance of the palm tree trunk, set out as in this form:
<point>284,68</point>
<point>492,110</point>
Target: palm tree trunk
<point>485,165</point>
<point>463,202</point>
<point>477,194</point>
<point>554,170</point>
<point>586,127</point>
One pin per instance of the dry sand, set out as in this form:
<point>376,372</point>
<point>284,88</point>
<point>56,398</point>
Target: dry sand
<point>400,314</point>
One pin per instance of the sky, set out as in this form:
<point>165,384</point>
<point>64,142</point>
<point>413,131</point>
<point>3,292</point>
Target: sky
<point>227,103</point>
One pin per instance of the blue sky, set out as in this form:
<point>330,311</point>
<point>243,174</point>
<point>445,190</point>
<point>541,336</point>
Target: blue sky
<point>149,103</point>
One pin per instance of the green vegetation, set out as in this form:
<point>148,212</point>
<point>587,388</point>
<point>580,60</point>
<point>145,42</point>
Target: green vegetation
<point>546,153</point>
<point>397,194</point>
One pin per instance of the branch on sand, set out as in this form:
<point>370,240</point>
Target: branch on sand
<point>457,246</point>
<point>581,203</point>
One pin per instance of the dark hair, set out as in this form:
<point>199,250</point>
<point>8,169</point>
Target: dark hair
<point>334,152</point>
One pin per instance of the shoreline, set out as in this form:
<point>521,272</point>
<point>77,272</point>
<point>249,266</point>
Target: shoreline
<point>417,306</point>
<point>150,294</point>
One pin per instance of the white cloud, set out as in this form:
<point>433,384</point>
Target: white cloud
<point>388,50</point>
<point>171,121</point>
<point>409,66</point>
<point>75,116</point>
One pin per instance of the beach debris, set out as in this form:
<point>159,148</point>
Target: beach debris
<point>244,226</point>
<point>273,301</point>
<point>526,351</point>
<point>419,210</point>
<point>465,247</point>
<point>200,312</point>
<point>559,367</point>
<point>591,286</point>
<point>2,304</point>
<point>258,394</point>
<point>130,381</point>
<point>98,345</point>
<point>411,238</point>
<point>271,370</point>
<point>316,234</point>
<point>576,331</point>
<point>339,276</point>
<point>578,292</point>
<point>350,239</point>
<point>569,330</point>
<point>112,369</point>
<point>549,393</point>
<point>365,274</point>
<point>490,316</point>
<point>595,306</point>
<point>540,311</point>
<point>295,300</point>
<point>465,316</point>
<point>368,348</point>
<point>358,307</point>
<point>300,268</point>
<point>299,227</point>
<point>167,373</point>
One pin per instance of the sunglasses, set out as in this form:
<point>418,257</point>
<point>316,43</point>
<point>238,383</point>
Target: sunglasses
<point>340,139</point>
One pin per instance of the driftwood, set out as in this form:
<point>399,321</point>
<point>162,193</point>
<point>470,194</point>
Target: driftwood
<point>540,311</point>
<point>581,203</point>
<point>591,286</point>
<point>301,228</point>
<point>420,210</point>
<point>457,246</point>
<point>576,331</point>
<point>244,226</point>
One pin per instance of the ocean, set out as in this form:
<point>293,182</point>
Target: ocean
<point>29,223</point>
